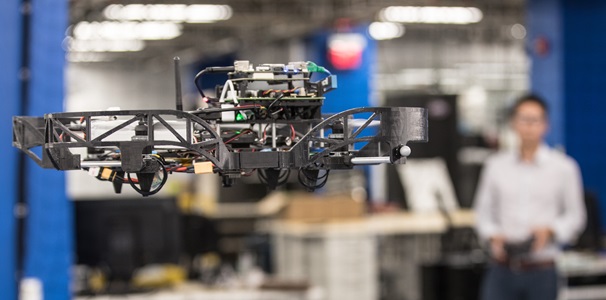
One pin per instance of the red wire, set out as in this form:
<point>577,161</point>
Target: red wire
<point>292,135</point>
<point>265,132</point>
<point>238,135</point>
<point>240,107</point>
<point>177,169</point>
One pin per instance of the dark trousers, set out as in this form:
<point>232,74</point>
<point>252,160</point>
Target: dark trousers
<point>502,283</point>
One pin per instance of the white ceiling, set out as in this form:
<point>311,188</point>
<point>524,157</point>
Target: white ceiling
<point>258,23</point>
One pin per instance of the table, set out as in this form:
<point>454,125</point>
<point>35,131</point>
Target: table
<point>194,291</point>
<point>339,255</point>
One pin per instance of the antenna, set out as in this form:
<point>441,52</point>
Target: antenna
<point>178,96</point>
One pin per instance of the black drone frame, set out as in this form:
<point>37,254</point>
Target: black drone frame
<point>328,143</point>
<point>56,135</point>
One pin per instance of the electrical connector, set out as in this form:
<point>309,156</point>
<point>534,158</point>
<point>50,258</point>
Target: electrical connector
<point>203,167</point>
<point>106,173</point>
<point>94,171</point>
<point>313,67</point>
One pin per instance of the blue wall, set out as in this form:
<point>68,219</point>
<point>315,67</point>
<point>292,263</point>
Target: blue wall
<point>585,91</point>
<point>354,87</point>
<point>49,228</point>
<point>49,236</point>
<point>573,77</point>
<point>545,20</point>
<point>10,28</point>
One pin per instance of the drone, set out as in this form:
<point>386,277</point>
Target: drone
<point>266,119</point>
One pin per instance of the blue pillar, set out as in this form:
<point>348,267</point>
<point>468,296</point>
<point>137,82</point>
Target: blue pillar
<point>354,86</point>
<point>573,76</point>
<point>546,75</point>
<point>48,233</point>
<point>10,29</point>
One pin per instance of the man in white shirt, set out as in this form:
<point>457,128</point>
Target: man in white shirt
<point>528,204</point>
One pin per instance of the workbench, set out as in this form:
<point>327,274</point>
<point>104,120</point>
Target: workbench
<point>339,255</point>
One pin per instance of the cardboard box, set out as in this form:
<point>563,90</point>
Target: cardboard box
<point>306,207</point>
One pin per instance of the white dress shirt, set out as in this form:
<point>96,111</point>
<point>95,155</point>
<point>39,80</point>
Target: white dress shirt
<point>514,197</point>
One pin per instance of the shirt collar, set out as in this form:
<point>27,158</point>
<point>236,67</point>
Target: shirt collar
<point>541,157</point>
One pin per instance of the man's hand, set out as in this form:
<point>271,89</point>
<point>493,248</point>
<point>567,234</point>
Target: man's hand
<point>542,236</point>
<point>497,248</point>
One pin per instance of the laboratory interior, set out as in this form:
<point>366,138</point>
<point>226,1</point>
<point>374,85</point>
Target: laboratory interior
<point>303,149</point>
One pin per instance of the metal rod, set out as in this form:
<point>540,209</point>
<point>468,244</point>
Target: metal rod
<point>150,127</point>
<point>260,133</point>
<point>178,96</point>
<point>371,160</point>
<point>188,130</point>
<point>88,129</point>
<point>322,136</point>
<point>273,135</point>
<point>89,164</point>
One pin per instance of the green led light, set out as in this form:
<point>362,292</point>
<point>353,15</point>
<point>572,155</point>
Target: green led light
<point>240,117</point>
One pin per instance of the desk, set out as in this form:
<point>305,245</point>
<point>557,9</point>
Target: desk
<point>583,265</point>
<point>193,291</point>
<point>379,224</point>
<point>339,255</point>
<point>572,264</point>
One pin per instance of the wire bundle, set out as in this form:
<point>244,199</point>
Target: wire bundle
<point>310,180</point>
<point>158,187</point>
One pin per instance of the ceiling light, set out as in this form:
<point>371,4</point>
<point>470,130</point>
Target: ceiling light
<point>431,14</point>
<point>179,13</point>
<point>76,45</point>
<point>385,30</point>
<point>86,57</point>
<point>203,13</point>
<point>518,31</point>
<point>109,30</point>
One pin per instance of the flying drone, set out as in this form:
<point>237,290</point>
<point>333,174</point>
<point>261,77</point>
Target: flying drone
<point>266,119</point>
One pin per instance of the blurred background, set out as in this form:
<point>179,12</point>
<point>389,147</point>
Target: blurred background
<point>381,232</point>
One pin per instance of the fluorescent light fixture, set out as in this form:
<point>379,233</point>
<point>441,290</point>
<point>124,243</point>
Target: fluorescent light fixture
<point>110,30</point>
<point>385,30</point>
<point>178,13</point>
<point>76,45</point>
<point>86,57</point>
<point>431,14</point>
